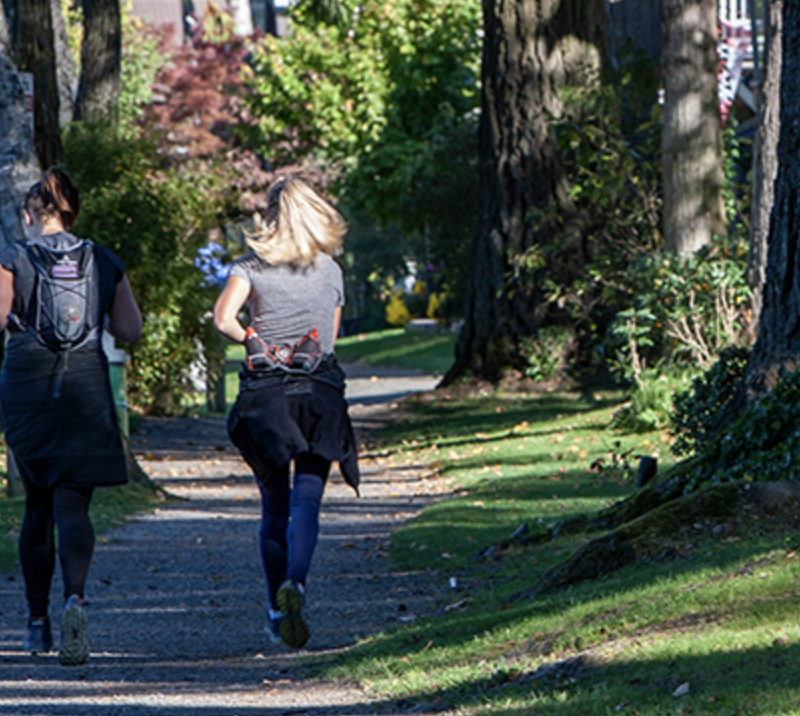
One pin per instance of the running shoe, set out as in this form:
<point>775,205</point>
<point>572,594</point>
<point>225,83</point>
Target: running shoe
<point>38,636</point>
<point>74,645</point>
<point>293,628</point>
<point>273,626</point>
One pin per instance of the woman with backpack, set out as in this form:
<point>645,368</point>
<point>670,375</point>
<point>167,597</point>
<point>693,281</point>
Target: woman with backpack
<point>57,294</point>
<point>291,406</point>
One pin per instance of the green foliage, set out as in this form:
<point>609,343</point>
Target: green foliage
<point>142,56</point>
<point>761,443</point>
<point>632,330</point>
<point>387,96</point>
<point>650,403</point>
<point>616,464</point>
<point>696,420</point>
<point>608,139</point>
<point>155,223</point>
<point>700,302</point>
<point>546,353</point>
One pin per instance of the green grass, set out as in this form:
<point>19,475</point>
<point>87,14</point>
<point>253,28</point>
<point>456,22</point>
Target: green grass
<point>721,618</point>
<point>428,352</point>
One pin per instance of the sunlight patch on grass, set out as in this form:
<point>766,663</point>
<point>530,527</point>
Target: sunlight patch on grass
<point>717,615</point>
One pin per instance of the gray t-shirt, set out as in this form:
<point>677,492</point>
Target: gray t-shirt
<point>286,303</point>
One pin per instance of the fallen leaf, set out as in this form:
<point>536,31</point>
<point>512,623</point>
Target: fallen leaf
<point>682,690</point>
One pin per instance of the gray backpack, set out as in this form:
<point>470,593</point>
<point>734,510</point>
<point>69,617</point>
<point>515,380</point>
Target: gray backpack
<point>64,312</point>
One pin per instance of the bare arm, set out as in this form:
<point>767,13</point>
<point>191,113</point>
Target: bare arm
<point>6,295</point>
<point>124,317</point>
<point>337,322</point>
<point>227,307</point>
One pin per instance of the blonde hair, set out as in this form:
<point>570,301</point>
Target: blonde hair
<point>299,225</point>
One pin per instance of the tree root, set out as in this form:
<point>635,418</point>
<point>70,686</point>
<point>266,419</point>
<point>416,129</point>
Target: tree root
<point>647,535</point>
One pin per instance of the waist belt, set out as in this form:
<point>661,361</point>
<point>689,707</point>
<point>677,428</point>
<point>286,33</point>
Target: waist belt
<point>304,356</point>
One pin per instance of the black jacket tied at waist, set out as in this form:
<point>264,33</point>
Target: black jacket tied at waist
<point>280,414</point>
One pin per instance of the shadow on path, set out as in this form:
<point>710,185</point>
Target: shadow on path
<point>177,598</point>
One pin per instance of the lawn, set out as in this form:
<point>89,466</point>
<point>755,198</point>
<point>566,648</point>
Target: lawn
<point>710,630</point>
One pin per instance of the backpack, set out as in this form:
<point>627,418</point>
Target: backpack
<point>64,296</point>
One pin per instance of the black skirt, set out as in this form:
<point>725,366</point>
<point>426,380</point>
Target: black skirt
<point>59,418</point>
<point>278,415</point>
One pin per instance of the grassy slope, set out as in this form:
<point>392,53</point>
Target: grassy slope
<point>721,618</point>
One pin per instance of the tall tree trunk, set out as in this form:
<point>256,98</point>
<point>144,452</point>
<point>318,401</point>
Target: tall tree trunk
<point>778,344</point>
<point>67,72</point>
<point>5,34</point>
<point>636,23</point>
<point>531,49</point>
<point>765,154</point>
<point>19,166</point>
<point>101,53</point>
<point>37,55</point>
<point>692,133</point>
<point>11,19</point>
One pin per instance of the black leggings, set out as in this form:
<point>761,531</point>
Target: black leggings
<point>48,508</point>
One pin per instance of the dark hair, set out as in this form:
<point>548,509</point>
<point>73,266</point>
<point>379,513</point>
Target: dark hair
<point>55,195</point>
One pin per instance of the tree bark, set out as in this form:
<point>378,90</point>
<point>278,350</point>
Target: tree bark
<point>19,166</point>
<point>636,23</point>
<point>778,344</point>
<point>37,55</point>
<point>5,34</point>
<point>692,132</point>
<point>531,49</point>
<point>765,153</point>
<point>66,71</point>
<point>101,53</point>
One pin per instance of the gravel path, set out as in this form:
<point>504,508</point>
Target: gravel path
<point>177,600</point>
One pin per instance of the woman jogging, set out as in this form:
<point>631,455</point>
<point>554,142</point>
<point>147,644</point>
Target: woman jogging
<point>290,406</point>
<point>57,292</point>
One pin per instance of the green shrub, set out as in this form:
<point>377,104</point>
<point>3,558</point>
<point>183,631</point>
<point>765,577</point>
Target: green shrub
<point>155,223</point>
<point>762,443</point>
<point>759,442</point>
<point>546,353</point>
<point>649,406</point>
<point>697,418</point>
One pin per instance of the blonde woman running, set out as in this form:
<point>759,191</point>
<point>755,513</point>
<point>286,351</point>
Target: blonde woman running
<point>291,406</point>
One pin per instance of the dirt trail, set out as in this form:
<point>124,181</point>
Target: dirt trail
<point>177,600</point>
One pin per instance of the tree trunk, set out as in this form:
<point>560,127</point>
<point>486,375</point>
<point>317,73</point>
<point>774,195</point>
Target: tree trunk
<point>531,49</point>
<point>692,133</point>
<point>67,72</point>
<point>5,34</point>
<point>101,53</point>
<point>37,55</point>
<point>765,155</point>
<point>636,23</point>
<point>778,344</point>
<point>9,33</point>
<point>19,166</point>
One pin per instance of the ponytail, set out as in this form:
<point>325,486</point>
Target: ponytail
<point>55,196</point>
